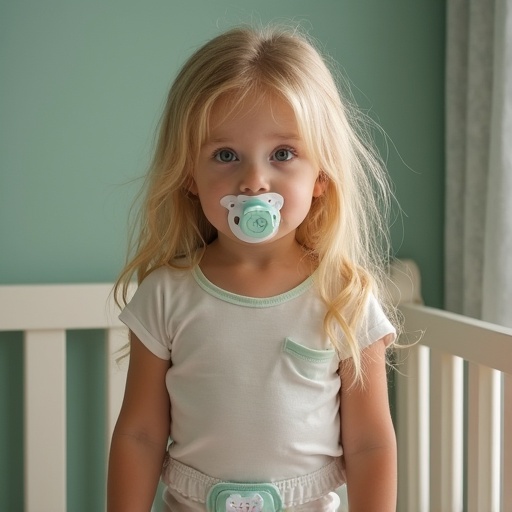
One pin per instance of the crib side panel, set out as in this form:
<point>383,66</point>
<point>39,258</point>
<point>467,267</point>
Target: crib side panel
<point>487,351</point>
<point>44,313</point>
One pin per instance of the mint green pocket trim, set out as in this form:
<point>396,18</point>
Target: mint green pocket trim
<point>307,354</point>
<point>267,494</point>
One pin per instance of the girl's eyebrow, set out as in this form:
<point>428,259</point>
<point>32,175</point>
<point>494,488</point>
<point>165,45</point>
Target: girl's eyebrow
<point>270,136</point>
<point>217,140</point>
<point>286,136</point>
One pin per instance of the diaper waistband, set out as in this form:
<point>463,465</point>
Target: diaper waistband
<point>195,485</point>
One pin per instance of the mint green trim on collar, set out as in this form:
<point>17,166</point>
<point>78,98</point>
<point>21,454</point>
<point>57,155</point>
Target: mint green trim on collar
<point>252,302</point>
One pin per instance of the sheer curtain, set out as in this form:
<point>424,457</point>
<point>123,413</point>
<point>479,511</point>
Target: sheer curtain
<point>478,242</point>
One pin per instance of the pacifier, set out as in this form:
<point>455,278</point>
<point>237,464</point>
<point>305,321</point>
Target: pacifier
<point>254,219</point>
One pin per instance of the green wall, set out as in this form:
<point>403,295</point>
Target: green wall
<point>82,86</point>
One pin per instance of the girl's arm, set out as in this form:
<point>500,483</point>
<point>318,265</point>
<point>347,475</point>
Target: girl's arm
<point>367,434</point>
<point>140,437</point>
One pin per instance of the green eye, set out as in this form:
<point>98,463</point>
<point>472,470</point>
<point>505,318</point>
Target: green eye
<point>283,154</point>
<point>225,156</point>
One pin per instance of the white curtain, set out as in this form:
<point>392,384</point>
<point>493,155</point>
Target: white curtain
<point>478,241</point>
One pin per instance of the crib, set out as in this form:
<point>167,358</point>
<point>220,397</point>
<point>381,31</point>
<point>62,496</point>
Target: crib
<point>453,395</point>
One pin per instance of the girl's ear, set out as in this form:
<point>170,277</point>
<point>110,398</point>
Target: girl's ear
<point>320,184</point>
<point>191,186</point>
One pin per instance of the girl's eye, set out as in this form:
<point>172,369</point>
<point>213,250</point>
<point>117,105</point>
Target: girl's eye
<point>283,154</point>
<point>225,156</point>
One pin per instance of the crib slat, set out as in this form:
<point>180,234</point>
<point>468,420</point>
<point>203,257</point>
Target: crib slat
<point>116,376</point>
<point>45,420</point>
<point>483,439</point>
<point>506,477</point>
<point>412,430</point>
<point>446,432</point>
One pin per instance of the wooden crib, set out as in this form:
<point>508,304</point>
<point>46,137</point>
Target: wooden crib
<point>450,454</point>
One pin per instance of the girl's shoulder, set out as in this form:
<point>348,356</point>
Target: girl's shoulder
<point>372,325</point>
<point>165,277</point>
<point>375,324</point>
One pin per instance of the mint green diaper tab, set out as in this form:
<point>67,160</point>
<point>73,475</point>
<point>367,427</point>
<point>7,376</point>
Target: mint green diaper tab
<point>241,497</point>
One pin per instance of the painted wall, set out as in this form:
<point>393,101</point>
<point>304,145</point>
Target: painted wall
<point>82,87</point>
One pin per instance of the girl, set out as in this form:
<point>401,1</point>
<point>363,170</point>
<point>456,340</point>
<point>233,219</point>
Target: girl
<point>257,337</point>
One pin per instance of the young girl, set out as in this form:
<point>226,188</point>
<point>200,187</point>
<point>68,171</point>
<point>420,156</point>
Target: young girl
<point>258,338</point>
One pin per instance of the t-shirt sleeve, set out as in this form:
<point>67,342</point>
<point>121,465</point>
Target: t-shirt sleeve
<point>145,315</point>
<point>374,326</point>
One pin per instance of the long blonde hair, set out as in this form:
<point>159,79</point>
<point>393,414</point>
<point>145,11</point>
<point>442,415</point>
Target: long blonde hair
<point>346,229</point>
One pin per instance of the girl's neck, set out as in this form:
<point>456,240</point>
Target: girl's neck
<point>258,270</point>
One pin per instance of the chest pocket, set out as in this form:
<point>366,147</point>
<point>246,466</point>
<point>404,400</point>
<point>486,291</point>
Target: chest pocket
<point>308,362</point>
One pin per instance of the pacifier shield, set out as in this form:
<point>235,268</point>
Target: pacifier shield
<point>254,219</point>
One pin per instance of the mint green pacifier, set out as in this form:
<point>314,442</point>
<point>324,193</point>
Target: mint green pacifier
<point>259,219</point>
<point>254,219</point>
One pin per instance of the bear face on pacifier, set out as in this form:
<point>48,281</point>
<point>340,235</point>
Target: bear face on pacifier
<point>254,219</point>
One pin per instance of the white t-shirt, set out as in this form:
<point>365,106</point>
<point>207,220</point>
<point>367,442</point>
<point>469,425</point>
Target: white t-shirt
<point>253,382</point>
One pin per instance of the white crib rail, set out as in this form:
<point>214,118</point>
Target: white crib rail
<point>44,313</point>
<point>430,411</point>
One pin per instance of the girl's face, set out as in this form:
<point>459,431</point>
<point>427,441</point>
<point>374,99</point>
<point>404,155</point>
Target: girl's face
<point>251,150</point>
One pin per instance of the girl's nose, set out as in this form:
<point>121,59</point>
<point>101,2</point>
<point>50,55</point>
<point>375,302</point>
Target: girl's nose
<point>254,179</point>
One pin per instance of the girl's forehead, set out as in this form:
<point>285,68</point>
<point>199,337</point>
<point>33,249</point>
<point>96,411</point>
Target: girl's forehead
<point>243,107</point>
